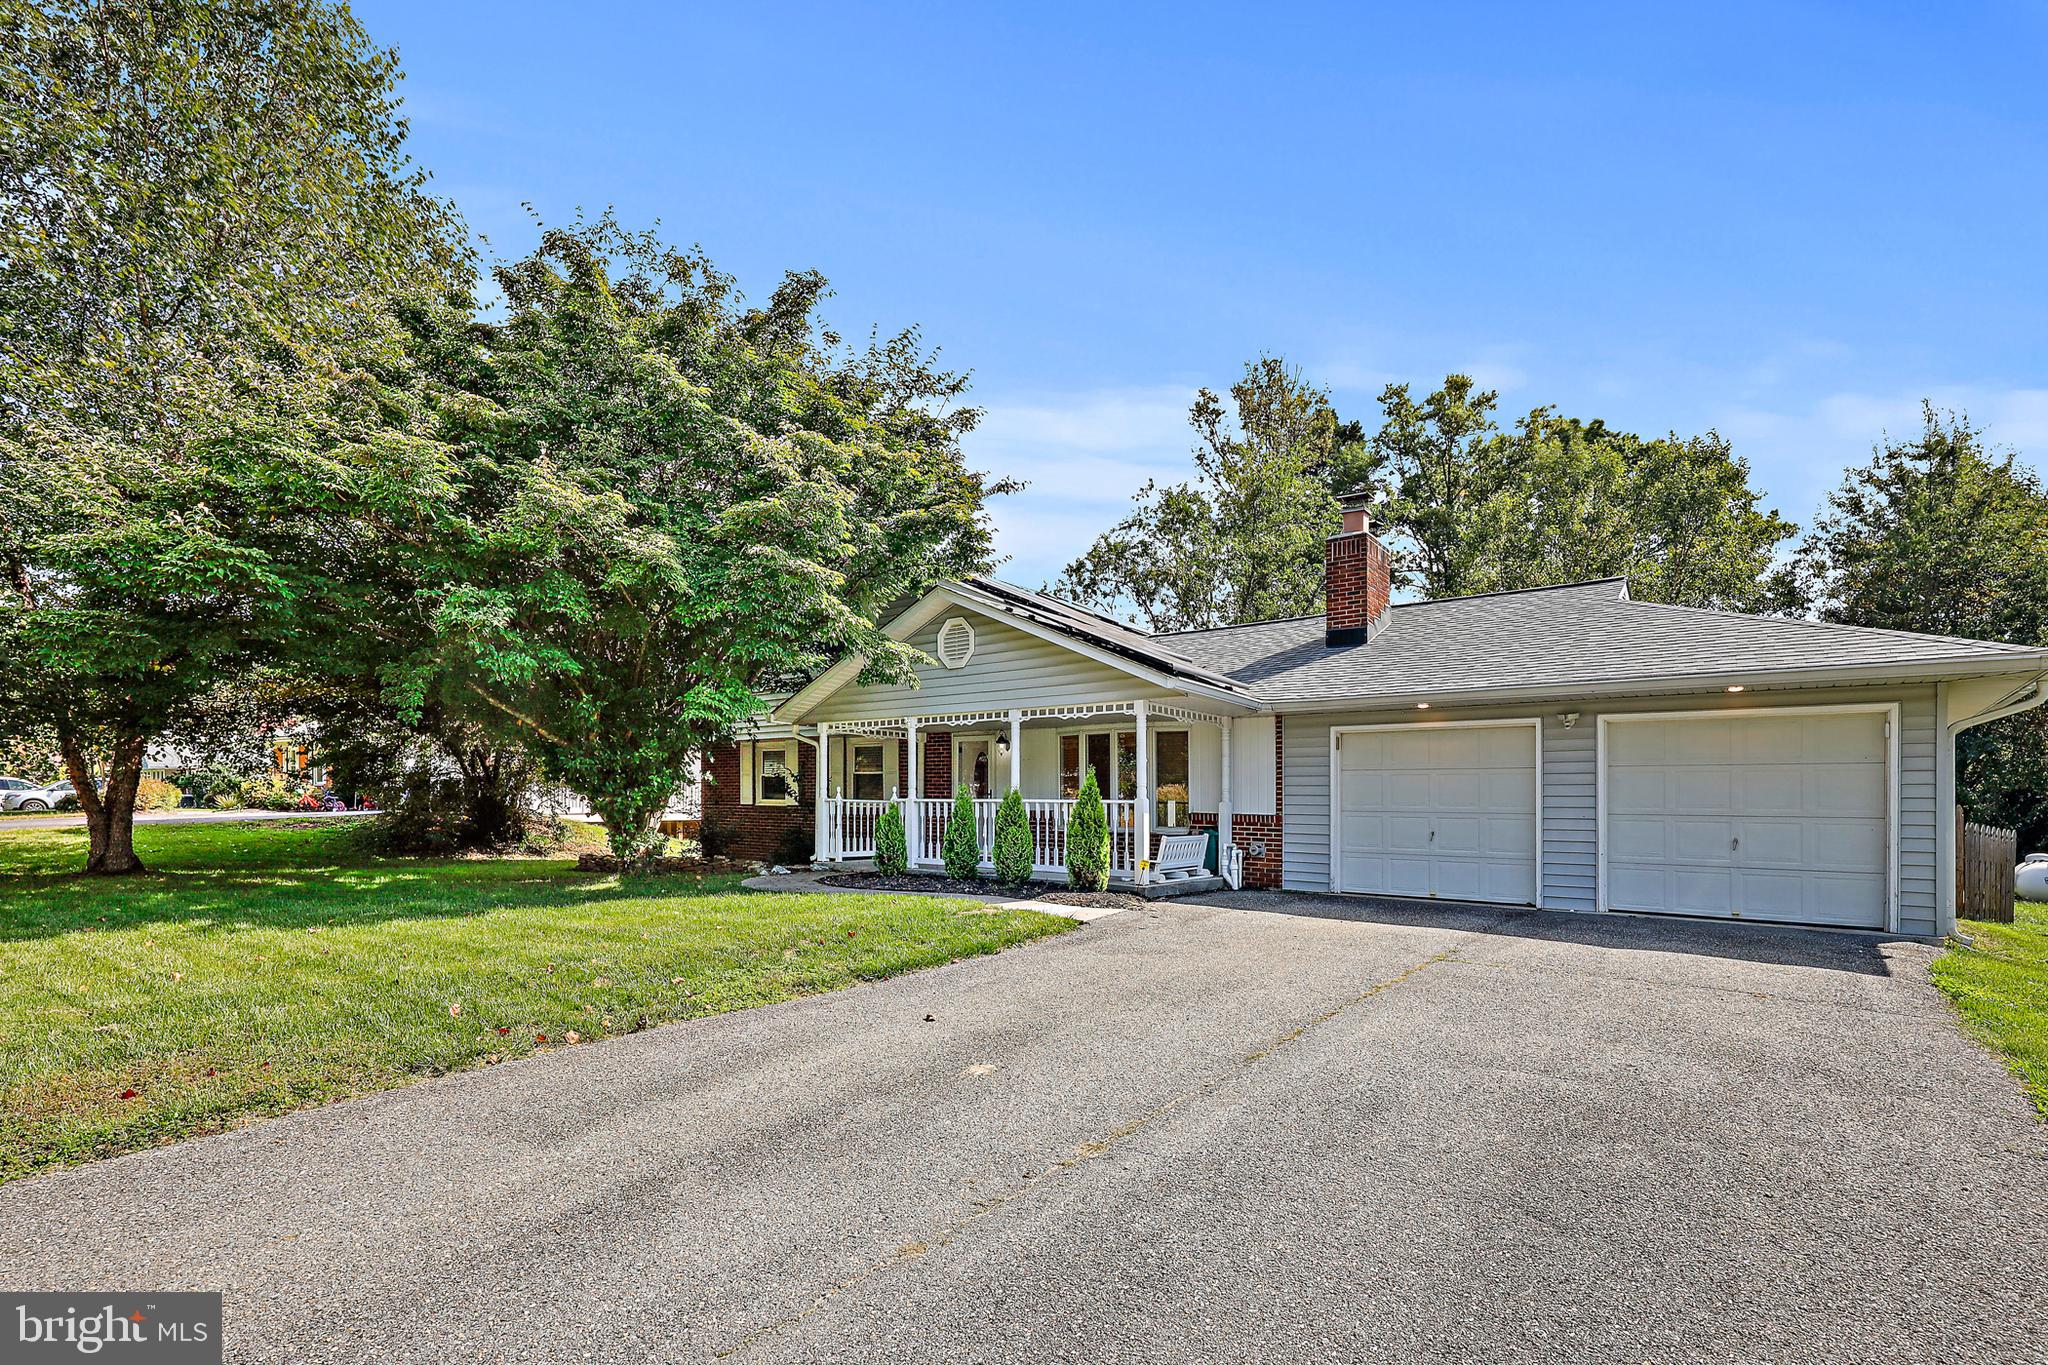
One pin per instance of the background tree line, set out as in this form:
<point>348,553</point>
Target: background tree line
<point>1936,533</point>
<point>264,454</point>
<point>260,439</point>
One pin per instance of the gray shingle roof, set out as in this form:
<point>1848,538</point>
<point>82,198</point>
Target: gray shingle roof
<point>1585,634</point>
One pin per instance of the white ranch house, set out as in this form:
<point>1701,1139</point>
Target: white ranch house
<point>1565,748</point>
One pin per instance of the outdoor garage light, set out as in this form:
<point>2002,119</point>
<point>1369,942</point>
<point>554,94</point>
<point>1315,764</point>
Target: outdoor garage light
<point>1422,706</point>
<point>1736,688</point>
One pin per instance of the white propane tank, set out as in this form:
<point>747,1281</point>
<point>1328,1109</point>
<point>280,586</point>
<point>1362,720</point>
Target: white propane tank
<point>2030,878</point>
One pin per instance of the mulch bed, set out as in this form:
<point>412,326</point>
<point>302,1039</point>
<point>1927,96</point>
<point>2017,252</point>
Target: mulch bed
<point>1055,892</point>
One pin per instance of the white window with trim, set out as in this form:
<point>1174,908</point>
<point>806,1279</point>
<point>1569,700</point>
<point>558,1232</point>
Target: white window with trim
<point>768,772</point>
<point>1112,755</point>
<point>865,774</point>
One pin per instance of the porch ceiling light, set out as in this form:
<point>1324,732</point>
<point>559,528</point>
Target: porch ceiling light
<point>1422,706</point>
<point>1736,688</point>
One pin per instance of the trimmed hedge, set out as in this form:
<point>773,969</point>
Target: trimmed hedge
<point>1012,855</point>
<point>961,849</point>
<point>1088,839</point>
<point>892,845</point>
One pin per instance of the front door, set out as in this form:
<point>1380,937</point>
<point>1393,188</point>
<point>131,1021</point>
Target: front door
<point>971,765</point>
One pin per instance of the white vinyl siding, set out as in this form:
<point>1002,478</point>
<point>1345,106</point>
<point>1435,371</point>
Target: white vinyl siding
<point>1010,668</point>
<point>1569,788</point>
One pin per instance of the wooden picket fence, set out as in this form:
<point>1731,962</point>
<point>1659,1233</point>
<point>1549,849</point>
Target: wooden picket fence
<point>1985,858</point>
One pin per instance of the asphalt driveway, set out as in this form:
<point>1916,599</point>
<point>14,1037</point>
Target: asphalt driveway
<point>1185,1133</point>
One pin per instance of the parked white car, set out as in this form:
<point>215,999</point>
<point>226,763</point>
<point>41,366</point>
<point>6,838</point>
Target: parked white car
<point>38,800</point>
<point>2030,878</point>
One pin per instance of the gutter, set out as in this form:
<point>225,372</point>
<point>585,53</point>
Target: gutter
<point>1822,675</point>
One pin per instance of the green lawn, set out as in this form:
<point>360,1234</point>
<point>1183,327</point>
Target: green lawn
<point>266,967</point>
<point>2000,987</point>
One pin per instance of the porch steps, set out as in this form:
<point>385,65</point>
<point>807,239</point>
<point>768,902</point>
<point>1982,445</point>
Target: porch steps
<point>1183,886</point>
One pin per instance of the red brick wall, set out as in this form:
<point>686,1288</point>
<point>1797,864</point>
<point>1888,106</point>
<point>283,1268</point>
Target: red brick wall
<point>758,830</point>
<point>938,764</point>
<point>1357,581</point>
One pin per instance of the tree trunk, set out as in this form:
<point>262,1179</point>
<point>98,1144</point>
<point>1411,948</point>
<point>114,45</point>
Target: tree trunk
<point>109,815</point>
<point>493,795</point>
<point>631,828</point>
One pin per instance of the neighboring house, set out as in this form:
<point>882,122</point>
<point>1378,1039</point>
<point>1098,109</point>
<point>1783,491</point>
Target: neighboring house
<point>682,809</point>
<point>1560,747</point>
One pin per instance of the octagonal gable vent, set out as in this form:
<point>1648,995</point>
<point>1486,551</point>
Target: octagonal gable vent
<point>956,641</point>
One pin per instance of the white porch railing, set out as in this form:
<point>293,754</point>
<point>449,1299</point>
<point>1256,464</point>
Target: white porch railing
<point>852,824</point>
<point>853,827</point>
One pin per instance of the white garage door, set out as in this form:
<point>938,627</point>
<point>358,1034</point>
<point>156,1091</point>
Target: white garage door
<point>1439,811</point>
<point>1779,817</point>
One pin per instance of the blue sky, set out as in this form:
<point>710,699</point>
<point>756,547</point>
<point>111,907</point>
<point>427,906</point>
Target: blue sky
<point>1787,221</point>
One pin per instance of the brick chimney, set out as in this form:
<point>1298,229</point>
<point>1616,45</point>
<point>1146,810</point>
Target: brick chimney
<point>1357,579</point>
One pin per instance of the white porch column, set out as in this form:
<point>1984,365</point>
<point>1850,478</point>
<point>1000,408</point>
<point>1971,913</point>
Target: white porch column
<point>913,813</point>
<point>821,837</point>
<point>1223,802</point>
<point>1144,813</point>
<point>1016,751</point>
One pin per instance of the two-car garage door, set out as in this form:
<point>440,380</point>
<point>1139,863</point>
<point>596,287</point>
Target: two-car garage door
<point>1782,816</point>
<point>1773,815</point>
<point>1447,811</point>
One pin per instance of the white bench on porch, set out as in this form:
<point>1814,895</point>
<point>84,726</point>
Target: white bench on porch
<point>1181,856</point>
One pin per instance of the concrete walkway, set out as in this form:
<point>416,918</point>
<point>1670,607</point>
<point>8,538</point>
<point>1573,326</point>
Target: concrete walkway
<point>1279,1129</point>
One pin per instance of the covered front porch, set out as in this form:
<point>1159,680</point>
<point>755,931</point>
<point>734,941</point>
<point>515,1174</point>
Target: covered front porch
<point>1146,755</point>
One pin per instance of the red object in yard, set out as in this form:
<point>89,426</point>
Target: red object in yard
<point>127,1094</point>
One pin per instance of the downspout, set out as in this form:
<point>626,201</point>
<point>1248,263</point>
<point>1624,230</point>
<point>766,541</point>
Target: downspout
<point>2025,698</point>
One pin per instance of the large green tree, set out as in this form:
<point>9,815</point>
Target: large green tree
<point>1243,541</point>
<point>1464,505</point>
<point>202,207</point>
<point>1567,500</point>
<point>1473,508</point>
<point>669,502</point>
<point>1439,460</point>
<point>1938,533</point>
